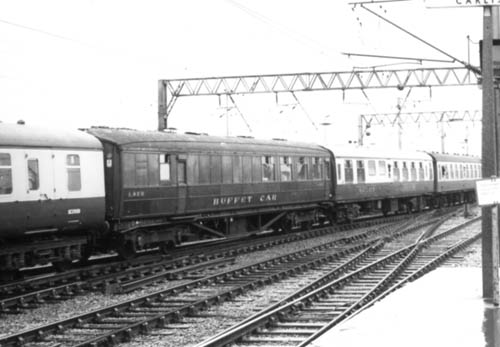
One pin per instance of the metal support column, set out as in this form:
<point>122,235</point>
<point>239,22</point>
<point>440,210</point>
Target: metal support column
<point>489,153</point>
<point>162,105</point>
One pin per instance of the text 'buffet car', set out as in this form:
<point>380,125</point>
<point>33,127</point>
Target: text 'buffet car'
<point>67,194</point>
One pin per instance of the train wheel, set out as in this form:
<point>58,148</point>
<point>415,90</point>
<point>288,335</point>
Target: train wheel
<point>62,265</point>
<point>285,225</point>
<point>167,247</point>
<point>86,254</point>
<point>127,250</point>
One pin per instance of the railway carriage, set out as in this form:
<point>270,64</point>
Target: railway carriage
<point>163,188</point>
<point>66,194</point>
<point>389,181</point>
<point>455,177</point>
<point>51,190</point>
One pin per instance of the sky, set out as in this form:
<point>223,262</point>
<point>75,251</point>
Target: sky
<point>84,62</point>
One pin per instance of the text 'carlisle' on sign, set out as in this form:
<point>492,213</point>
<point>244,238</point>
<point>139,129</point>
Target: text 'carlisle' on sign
<point>461,3</point>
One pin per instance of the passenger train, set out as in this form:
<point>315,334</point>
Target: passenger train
<point>67,194</point>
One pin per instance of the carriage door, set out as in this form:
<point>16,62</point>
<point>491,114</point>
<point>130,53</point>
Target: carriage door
<point>39,184</point>
<point>181,183</point>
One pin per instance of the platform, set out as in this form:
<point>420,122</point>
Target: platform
<point>443,308</point>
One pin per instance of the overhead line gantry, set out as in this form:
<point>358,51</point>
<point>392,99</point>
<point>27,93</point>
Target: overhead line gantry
<point>169,90</point>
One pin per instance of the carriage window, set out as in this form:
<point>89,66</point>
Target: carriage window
<point>268,169</point>
<point>193,169</point>
<point>348,171</point>
<point>128,162</point>
<point>381,168</point>
<point>141,169</point>
<point>444,172</point>
<point>339,172</point>
<point>405,172</point>
<point>372,169</point>
<point>247,169</point>
<point>413,172</point>
<point>421,173</point>
<point>153,170</point>
<point>5,174</point>
<point>237,170</point>
<point>452,172</point>
<point>327,168</point>
<point>256,169</point>
<point>360,171</point>
<point>466,171</point>
<point>302,169</point>
<point>389,170</point>
<point>286,168</point>
<point>215,169</point>
<point>395,172</point>
<point>227,169</point>
<point>204,164</point>
<point>316,168</point>
<point>431,172</point>
<point>164,168</point>
<point>181,171</point>
<point>33,174</point>
<point>73,170</point>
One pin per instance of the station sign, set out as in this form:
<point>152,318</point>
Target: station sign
<point>488,191</point>
<point>460,3</point>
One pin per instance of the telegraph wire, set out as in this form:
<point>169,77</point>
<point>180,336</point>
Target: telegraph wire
<point>41,31</point>
<point>297,36</point>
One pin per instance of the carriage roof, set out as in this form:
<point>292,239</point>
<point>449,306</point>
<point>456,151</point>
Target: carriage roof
<point>161,140</point>
<point>20,135</point>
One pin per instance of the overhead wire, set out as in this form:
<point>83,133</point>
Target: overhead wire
<point>455,59</point>
<point>44,32</point>
<point>291,33</point>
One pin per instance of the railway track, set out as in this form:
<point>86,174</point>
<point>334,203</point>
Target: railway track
<point>297,321</point>
<point>122,321</point>
<point>125,276</point>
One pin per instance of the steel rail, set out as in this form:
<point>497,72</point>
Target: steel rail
<point>129,275</point>
<point>40,332</point>
<point>281,310</point>
<point>371,298</point>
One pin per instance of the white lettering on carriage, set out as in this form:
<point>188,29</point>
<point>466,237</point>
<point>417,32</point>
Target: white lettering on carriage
<point>243,199</point>
<point>74,211</point>
<point>268,197</point>
<point>232,200</point>
<point>136,194</point>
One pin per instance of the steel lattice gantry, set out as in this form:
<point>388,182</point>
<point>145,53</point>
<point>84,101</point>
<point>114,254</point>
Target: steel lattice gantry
<point>397,118</point>
<point>170,90</point>
<point>366,121</point>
